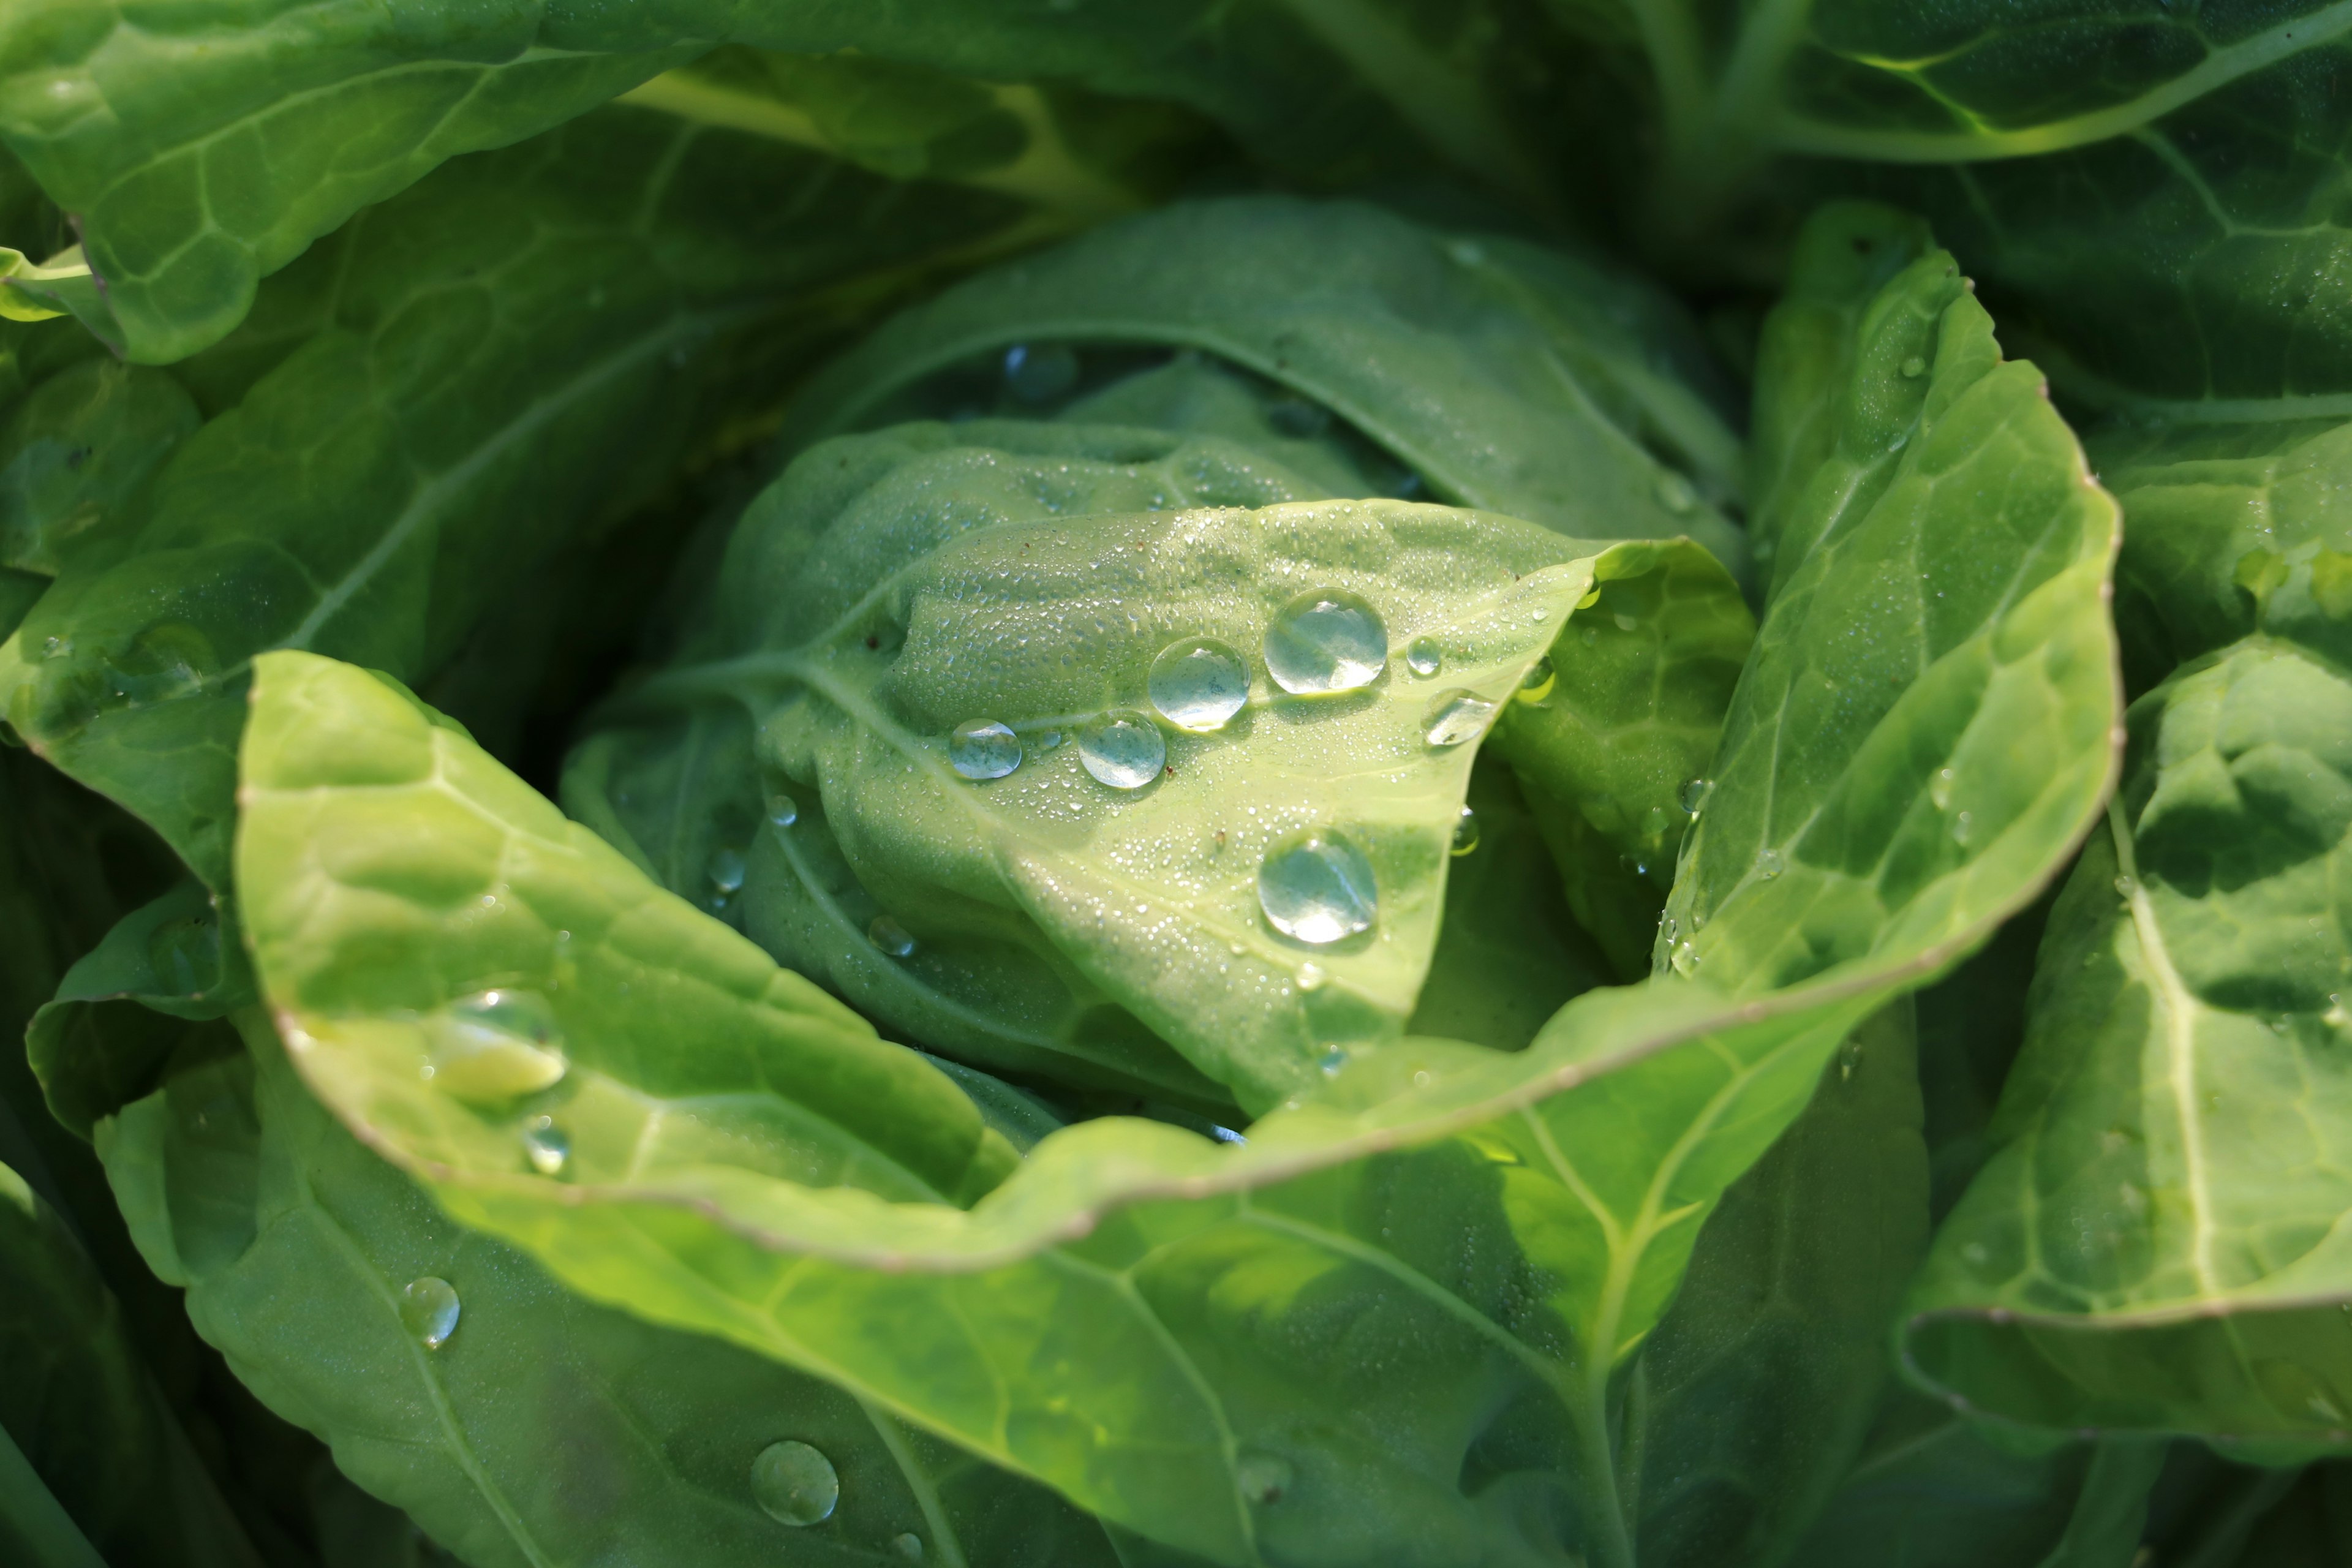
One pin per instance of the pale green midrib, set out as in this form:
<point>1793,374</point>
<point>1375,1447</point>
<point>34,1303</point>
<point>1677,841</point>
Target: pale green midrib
<point>2181,1009</point>
<point>918,1481</point>
<point>454,1435</point>
<point>2218,70</point>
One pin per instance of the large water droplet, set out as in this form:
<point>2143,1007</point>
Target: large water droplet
<point>1425,658</point>
<point>1685,958</point>
<point>1456,716</point>
<point>1198,683</point>
<point>495,1045</point>
<point>1465,833</point>
<point>1693,795</point>
<point>1318,888</point>
<point>984,749</point>
<point>546,1145</point>
<point>908,1546</point>
<point>1536,684</point>
<point>1123,750</point>
<point>429,1311</point>
<point>783,811</point>
<point>1040,372</point>
<point>891,937</point>
<point>1326,639</point>
<point>727,868</point>
<point>1261,1479</point>
<point>794,1484</point>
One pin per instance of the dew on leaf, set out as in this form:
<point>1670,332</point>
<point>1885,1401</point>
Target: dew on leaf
<point>1685,958</point>
<point>1674,492</point>
<point>984,749</point>
<point>1040,372</point>
<point>1425,658</point>
<point>1769,864</point>
<point>1914,368</point>
<point>546,1146</point>
<point>1198,683</point>
<point>1456,716</point>
<point>1123,750</point>
<point>1326,639</point>
<point>1310,977</point>
<point>727,868</point>
<point>1963,827</point>
<point>495,1045</point>
<point>2128,887</point>
<point>1263,1479</point>
<point>783,811</point>
<point>1318,888</point>
<point>891,937</point>
<point>429,1311</point>
<point>794,1484</point>
<point>908,1546</point>
<point>1537,683</point>
<point>1332,1061</point>
<point>1465,833</point>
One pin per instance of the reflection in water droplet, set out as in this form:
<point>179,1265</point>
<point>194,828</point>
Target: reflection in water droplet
<point>1123,750</point>
<point>726,869</point>
<point>1685,958</point>
<point>1537,683</point>
<point>891,937</point>
<point>1318,888</point>
<point>1456,716</point>
<point>1263,1479</point>
<point>1693,796</point>
<point>1914,367</point>
<point>1198,683</point>
<point>1674,492</point>
<point>1326,639</point>
<point>546,1146</point>
<point>984,749</point>
<point>794,1484</point>
<point>1332,1059</point>
<point>429,1311</point>
<point>1040,372</point>
<point>1310,977</point>
<point>495,1045</point>
<point>2128,887</point>
<point>908,1546</point>
<point>1425,658</point>
<point>1466,832</point>
<point>1940,792</point>
<point>1963,827</point>
<point>1769,864</point>
<point>783,811</point>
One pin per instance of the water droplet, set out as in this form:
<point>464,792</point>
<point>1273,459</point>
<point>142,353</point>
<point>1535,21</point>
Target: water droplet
<point>1626,623</point>
<point>1769,864</point>
<point>908,1546</point>
<point>1465,833</point>
<point>1040,372</point>
<point>1051,741</point>
<point>1914,367</point>
<point>891,937</point>
<point>1318,888</point>
<point>984,749</point>
<point>1425,658</point>
<point>1963,827</point>
<point>783,811</point>
<point>1326,639</point>
<point>546,1146</point>
<point>1262,1478</point>
<point>1940,792</point>
<point>495,1045</point>
<point>727,868</point>
<point>1685,958</point>
<point>1123,750</point>
<point>1537,683</point>
<point>1310,977</point>
<point>1849,1058</point>
<point>1693,796</point>
<point>794,1484</point>
<point>1588,635</point>
<point>55,648</point>
<point>2127,886</point>
<point>1674,492</point>
<point>1456,716</point>
<point>1331,1061</point>
<point>429,1311</point>
<point>1198,683</point>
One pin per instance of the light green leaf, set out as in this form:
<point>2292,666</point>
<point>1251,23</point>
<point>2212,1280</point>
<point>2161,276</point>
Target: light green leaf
<point>542,1431</point>
<point>505,358</point>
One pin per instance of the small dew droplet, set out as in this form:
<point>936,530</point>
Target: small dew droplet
<point>1769,864</point>
<point>1263,1479</point>
<point>1318,888</point>
<point>546,1146</point>
<point>726,869</point>
<point>1940,792</point>
<point>783,811</point>
<point>1332,1061</point>
<point>1693,796</point>
<point>1326,639</point>
<point>2127,886</point>
<point>1465,833</point>
<point>1537,683</point>
<point>891,937</point>
<point>1123,750</point>
<point>1685,958</point>
<point>429,1311</point>
<point>908,1546</point>
<point>1198,683</point>
<point>1456,716</point>
<point>496,1046</point>
<point>1963,827</point>
<point>1051,741</point>
<point>1425,658</point>
<point>984,749</point>
<point>794,1484</point>
<point>1310,977</point>
<point>1914,367</point>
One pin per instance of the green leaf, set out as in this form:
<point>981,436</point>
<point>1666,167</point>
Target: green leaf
<point>80,1414</point>
<point>508,357</point>
<point>78,447</point>
<point>543,1430</point>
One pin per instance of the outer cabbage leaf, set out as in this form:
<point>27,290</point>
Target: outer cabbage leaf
<point>1399,1321</point>
<point>506,357</point>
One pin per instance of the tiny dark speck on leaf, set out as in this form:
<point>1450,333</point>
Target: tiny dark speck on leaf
<point>872,640</point>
